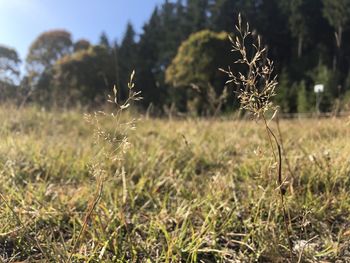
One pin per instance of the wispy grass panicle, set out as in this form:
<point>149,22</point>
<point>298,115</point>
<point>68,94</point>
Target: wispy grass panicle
<point>256,86</point>
<point>133,95</point>
<point>112,145</point>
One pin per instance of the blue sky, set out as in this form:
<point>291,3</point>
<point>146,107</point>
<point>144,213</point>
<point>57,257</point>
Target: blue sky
<point>21,21</point>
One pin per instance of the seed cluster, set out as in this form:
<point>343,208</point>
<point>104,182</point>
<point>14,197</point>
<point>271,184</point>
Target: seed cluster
<point>256,85</point>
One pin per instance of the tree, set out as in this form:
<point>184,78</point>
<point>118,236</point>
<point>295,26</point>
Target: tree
<point>197,65</point>
<point>9,65</point>
<point>126,59</point>
<point>84,77</point>
<point>81,44</point>
<point>173,31</point>
<point>223,13</point>
<point>294,10</point>
<point>321,74</point>
<point>47,49</point>
<point>284,92</point>
<point>337,13</point>
<point>198,59</point>
<point>104,41</point>
<point>147,66</point>
<point>44,52</point>
<point>197,14</point>
<point>9,71</point>
<point>302,98</point>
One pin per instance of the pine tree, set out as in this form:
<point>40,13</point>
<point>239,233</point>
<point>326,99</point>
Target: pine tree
<point>104,41</point>
<point>197,14</point>
<point>303,104</point>
<point>126,59</point>
<point>147,61</point>
<point>337,13</point>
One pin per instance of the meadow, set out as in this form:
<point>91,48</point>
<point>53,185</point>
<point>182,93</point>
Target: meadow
<point>183,190</point>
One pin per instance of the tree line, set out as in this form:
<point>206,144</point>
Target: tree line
<point>178,54</point>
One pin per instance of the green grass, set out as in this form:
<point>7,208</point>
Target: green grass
<point>194,191</point>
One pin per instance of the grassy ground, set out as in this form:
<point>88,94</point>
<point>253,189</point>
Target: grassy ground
<point>192,191</point>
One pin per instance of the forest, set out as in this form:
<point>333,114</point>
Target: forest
<point>177,57</point>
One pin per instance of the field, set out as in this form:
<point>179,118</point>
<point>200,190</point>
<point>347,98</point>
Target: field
<point>191,190</point>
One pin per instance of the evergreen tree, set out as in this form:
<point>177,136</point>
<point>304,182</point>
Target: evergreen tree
<point>147,61</point>
<point>127,53</point>
<point>271,23</point>
<point>302,99</point>
<point>283,92</point>
<point>104,41</point>
<point>197,14</point>
<point>337,13</point>
<point>224,13</point>
<point>297,21</point>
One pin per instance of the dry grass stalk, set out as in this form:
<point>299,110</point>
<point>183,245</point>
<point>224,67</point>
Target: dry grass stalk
<point>117,148</point>
<point>256,88</point>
